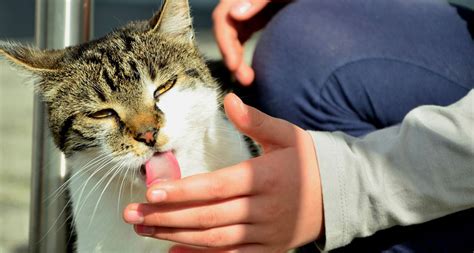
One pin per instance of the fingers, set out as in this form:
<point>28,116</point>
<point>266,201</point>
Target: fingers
<point>198,216</point>
<point>268,131</point>
<point>245,210</point>
<point>244,74</point>
<point>246,9</point>
<point>226,17</point>
<point>226,35</point>
<point>211,186</point>
<point>214,237</point>
<point>248,178</point>
<point>248,248</point>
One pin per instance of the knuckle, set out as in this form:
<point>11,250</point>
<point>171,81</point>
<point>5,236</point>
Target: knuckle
<point>157,219</point>
<point>274,235</point>
<point>207,219</point>
<point>179,191</point>
<point>260,120</point>
<point>216,189</point>
<point>164,236</point>
<point>270,182</point>
<point>214,239</point>
<point>273,210</point>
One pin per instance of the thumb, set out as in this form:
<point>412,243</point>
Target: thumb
<point>268,131</point>
<point>246,9</point>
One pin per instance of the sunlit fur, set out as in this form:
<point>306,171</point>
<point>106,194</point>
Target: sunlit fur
<point>121,72</point>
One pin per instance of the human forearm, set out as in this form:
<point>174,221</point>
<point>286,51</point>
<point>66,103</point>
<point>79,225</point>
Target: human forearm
<point>408,174</point>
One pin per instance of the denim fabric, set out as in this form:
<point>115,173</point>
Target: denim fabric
<point>360,65</point>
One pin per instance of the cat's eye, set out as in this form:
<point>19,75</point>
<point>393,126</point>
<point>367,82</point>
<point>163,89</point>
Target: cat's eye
<point>165,87</point>
<point>102,114</point>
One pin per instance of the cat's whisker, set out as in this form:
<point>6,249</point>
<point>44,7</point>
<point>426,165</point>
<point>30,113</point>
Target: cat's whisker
<point>79,205</point>
<point>132,184</point>
<point>116,169</point>
<point>83,170</point>
<point>98,183</point>
<point>101,164</point>
<point>64,186</point>
<point>84,202</point>
<point>121,187</point>
<point>63,210</point>
<point>98,170</point>
<point>82,188</point>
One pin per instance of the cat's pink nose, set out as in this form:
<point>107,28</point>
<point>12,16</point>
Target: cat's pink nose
<point>148,137</point>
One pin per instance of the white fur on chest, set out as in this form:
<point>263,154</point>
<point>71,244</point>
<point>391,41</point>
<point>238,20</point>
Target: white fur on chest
<point>203,141</point>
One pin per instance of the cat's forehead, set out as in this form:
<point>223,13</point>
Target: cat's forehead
<point>117,44</point>
<point>126,64</point>
<point>134,50</point>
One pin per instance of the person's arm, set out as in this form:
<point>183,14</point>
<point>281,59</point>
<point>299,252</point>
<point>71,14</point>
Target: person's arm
<point>408,174</point>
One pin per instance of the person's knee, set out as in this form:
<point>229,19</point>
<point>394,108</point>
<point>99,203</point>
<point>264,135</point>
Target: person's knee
<point>307,42</point>
<point>313,38</point>
<point>294,59</point>
<point>307,39</point>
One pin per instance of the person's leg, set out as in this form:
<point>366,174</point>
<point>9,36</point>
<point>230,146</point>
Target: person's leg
<point>358,66</point>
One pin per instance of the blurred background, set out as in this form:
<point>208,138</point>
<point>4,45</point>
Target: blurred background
<point>17,19</point>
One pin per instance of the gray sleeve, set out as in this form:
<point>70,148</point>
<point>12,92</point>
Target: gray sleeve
<point>407,174</point>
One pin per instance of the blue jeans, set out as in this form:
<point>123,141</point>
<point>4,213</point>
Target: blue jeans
<point>360,65</point>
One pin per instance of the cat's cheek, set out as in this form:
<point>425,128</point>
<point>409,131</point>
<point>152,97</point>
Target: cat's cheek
<point>167,141</point>
<point>175,111</point>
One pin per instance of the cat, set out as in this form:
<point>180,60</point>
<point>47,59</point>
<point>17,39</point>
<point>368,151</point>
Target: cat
<point>120,101</point>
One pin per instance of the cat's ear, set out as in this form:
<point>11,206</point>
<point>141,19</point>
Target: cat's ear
<point>33,60</point>
<point>174,19</point>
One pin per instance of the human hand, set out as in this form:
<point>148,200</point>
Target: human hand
<point>235,21</point>
<point>271,203</point>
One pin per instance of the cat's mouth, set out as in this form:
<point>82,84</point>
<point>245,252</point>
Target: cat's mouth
<point>162,166</point>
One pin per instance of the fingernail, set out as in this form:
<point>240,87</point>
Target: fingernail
<point>241,7</point>
<point>134,217</point>
<point>157,196</point>
<point>145,230</point>
<point>238,102</point>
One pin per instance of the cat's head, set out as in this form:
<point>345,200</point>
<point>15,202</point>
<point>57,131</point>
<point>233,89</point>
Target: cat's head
<point>141,89</point>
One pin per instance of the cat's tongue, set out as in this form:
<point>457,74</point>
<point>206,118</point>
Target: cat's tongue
<point>162,167</point>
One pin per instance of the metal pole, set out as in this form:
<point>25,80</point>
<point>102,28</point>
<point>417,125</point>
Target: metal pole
<point>59,23</point>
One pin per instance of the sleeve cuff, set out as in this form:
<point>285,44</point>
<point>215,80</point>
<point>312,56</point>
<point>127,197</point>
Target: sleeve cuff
<point>333,179</point>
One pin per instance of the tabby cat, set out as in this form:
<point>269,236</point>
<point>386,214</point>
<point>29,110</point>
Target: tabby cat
<point>133,97</point>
